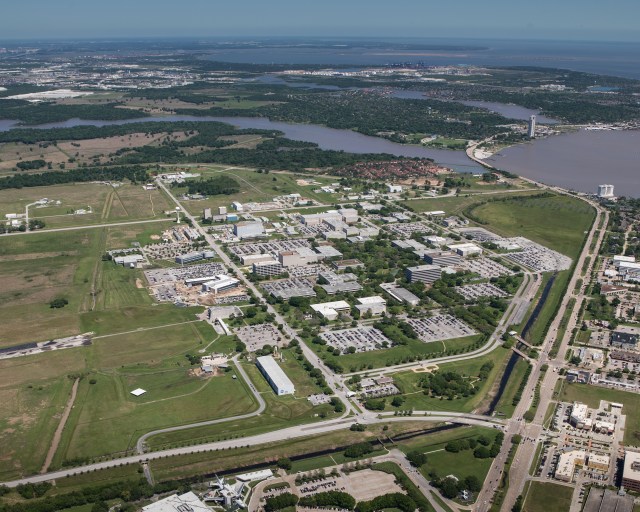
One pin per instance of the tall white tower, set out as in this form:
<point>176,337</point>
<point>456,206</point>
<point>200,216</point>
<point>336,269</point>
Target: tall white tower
<point>605,191</point>
<point>532,127</point>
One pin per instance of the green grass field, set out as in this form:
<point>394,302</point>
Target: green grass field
<point>415,399</point>
<point>591,395</point>
<point>258,187</point>
<point>543,497</point>
<point>456,204</point>
<point>281,411</point>
<point>557,222</point>
<point>395,355</point>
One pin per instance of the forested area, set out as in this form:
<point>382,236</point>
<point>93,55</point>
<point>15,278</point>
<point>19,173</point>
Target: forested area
<point>134,174</point>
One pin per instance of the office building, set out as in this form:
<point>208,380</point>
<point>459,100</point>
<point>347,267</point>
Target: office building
<point>531,130</point>
<point>428,274</point>
<point>220,284</point>
<point>275,376</point>
<point>400,294</point>
<point>331,310</point>
<point>442,258</point>
<point>631,471</point>
<point>466,249</point>
<point>580,416</point>
<point>267,268</point>
<point>248,229</point>
<point>567,464</point>
<point>625,337</point>
<point>605,191</point>
<point>374,305</point>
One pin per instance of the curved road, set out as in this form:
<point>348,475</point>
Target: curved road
<point>142,442</point>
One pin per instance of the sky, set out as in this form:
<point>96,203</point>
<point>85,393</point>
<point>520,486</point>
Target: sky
<point>602,20</point>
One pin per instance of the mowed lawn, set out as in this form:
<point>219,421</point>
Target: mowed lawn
<point>108,412</point>
<point>409,383</point>
<point>557,222</point>
<point>544,497</point>
<point>454,205</point>
<point>591,395</point>
<point>281,412</point>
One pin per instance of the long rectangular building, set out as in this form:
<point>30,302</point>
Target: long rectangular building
<point>275,376</point>
<point>428,274</point>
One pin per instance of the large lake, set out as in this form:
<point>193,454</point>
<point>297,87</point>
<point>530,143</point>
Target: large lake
<point>326,138</point>
<point>579,161</point>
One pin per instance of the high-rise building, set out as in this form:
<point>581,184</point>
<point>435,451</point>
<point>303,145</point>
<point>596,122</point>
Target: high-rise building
<point>605,190</point>
<point>532,127</point>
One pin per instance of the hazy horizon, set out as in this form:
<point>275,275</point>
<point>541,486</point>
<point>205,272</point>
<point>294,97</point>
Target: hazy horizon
<point>571,20</point>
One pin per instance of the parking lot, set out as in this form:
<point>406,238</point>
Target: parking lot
<point>477,291</point>
<point>408,229</point>
<point>287,288</point>
<point>171,275</point>
<point>538,258</point>
<point>256,337</point>
<point>486,267</point>
<point>268,247</point>
<point>440,327</point>
<point>362,339</point>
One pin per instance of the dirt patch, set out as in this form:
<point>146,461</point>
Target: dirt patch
<point>139,283</point>
<point>155,237</point>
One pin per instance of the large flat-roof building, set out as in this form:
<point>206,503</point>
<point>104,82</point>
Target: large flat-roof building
<point>631,471</point>
<point>220,284</point>
<point>187,502</point>
<point>275,375</point>
<point>567,464</point>
<point>400,294</point>
<point>375,305</point>
<point>442,258</point>
<point>428,274</point>
<point>466,249</point>
<point>331,310</point>
<point>248,229</point>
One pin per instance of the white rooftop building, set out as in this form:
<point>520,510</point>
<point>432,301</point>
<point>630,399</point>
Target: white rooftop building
<point>375,305</point>
<point>275,375</point>
<point>331,310</point>
<point>187,502</point>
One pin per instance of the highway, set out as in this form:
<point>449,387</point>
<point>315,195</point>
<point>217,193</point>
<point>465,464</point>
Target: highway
<point>532,432</point>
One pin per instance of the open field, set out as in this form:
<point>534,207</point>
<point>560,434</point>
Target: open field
<point>456,204</point>
<point>281,412</point>
<point>409,383</point>
<point>543,497</point>
<point>37,268</point>
<point>591,395</point>
<point>257,187</point>
<point>557,222</point>
<point>29,414</point>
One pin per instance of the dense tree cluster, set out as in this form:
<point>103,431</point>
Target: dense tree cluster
<point>281,501</point>
<point>215,186</point>
<point>134,174</point>
<point>390,501</point>
<point>333,499</point>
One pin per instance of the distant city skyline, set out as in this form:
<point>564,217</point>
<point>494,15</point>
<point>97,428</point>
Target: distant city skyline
<point>504,19</point>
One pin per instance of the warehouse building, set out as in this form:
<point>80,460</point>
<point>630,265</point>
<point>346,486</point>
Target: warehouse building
<point>248,229</point>
<point>428,274</point>
<point>275,376</point>
<point>466,249</point>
